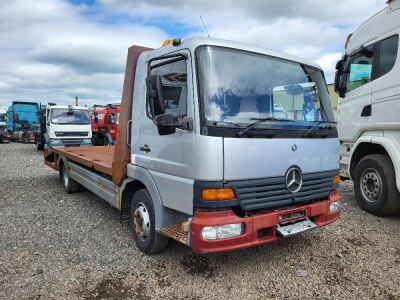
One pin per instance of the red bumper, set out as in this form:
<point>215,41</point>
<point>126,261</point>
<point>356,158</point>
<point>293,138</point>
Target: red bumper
<point>259,229</point>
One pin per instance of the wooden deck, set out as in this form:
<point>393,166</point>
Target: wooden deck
<point>98,158</point>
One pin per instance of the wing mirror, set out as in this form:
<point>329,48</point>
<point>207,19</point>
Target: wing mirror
<point>155,95</point>
<point>166,124</point>
<point>339,85</point>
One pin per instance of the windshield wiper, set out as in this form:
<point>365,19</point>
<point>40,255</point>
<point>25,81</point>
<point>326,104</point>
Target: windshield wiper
<point>259,121</point>
<point>315,127</point>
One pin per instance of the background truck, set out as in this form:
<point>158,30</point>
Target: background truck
<point>104,120</point>
<point>5,137</point>
<point>64,125</point>
<point>368,82</point>
<point>206,162</point>
<point>21,119</point>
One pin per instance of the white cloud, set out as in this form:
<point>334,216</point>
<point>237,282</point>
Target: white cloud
<point>51,50</point>
<point>328,63</point>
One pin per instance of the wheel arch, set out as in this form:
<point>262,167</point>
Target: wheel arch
<point>139,178</point>
<point>377,145</point>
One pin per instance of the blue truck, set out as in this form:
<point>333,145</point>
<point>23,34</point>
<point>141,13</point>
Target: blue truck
<point>21,120</point>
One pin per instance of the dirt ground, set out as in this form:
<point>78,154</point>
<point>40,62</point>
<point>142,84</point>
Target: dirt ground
<point>59,246</point>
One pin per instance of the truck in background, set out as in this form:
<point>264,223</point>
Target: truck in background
<point>64,125</point>
<point>207,162</point>
<point>21,119</point>
<point>5,137</point>
<point>368,82</point>
<point>104,121</point>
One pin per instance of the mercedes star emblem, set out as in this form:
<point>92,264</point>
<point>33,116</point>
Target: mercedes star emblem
<point>294,147</point>
<point>294,179</point>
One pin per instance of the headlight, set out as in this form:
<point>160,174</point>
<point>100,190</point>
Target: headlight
<point>334,207</point>
<point>222,232</point>
<point>86,141</point>
<point>55,142</point>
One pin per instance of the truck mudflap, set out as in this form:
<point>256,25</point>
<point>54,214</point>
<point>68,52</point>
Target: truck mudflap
<point>262,228</point>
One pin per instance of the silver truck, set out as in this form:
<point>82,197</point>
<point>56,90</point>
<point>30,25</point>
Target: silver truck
<point>221,146</point>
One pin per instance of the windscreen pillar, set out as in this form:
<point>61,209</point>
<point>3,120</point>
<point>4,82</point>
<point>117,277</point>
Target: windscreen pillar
<point>122,151</point>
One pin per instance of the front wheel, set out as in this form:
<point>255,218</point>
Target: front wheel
<point>142,224</point>
<point>375,185</point>
<point>39,145</point>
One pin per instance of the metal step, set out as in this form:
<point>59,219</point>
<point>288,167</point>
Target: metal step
<point>174,232</point>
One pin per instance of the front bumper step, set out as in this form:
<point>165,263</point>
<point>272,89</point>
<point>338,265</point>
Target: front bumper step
<point>174,232</point>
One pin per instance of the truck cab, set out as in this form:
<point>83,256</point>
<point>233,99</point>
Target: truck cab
<point>221,146</point>
<point>67,125</point>
<point>5,137</point>
<point>367,81</point>
<point>104,120</point>
<point>21,119</point>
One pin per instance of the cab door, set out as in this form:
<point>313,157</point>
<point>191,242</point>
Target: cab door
<point>168,158</point>
<point>386,88</point>
<point>355,107</point>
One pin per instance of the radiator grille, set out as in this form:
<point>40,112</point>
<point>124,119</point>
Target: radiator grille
<point>71,133</point>
<point>72,141</point>
<point>272,192</point>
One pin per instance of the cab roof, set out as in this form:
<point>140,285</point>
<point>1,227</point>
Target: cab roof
<point>193,43</point>
<point>382,23</point>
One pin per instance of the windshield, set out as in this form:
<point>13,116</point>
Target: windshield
<point>66,116</point>
<point>237,86</point>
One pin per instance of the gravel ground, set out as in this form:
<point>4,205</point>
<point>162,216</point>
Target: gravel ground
<point>59,246</point>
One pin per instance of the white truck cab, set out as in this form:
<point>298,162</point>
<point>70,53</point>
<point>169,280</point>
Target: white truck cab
<point>368,82</point>
<point>67,125</point>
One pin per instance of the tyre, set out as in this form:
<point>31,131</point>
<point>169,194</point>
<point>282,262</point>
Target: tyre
<point>142,224</point>
<point>39,146</point>
<point>70,185</point>
<point>375,185</point>
<point>96,140</point>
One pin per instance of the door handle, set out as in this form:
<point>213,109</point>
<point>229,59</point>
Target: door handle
<point>366,112</point>
<point>128,133</point>
<point>144,148</point>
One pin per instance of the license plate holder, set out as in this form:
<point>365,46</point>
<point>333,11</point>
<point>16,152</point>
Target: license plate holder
<point>296,228</point>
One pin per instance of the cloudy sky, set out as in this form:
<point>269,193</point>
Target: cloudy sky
<point>54,50</point>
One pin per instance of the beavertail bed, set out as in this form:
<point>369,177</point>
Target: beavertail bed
<point>96,158</point>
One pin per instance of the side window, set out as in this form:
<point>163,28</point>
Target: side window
<point>360,70</point>
<point>174,83</point>
<point>387,54</point>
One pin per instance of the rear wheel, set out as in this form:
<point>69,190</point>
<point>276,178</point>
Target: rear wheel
<point>375,185</point>
<point>142,224</point>
<point>70,185</point>
<point>95,140</point>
